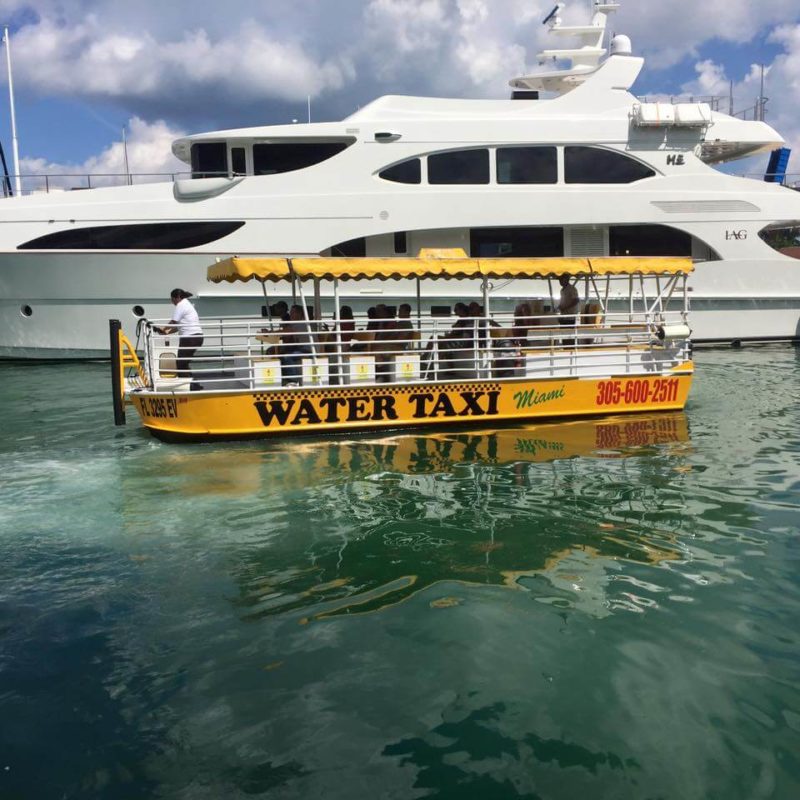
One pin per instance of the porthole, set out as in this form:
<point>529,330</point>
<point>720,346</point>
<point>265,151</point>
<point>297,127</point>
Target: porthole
<point>138,311</point>
<point>26,311</point>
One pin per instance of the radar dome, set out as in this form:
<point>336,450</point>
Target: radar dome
<point>620,45</point>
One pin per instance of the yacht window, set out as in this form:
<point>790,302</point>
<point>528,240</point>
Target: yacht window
<point>269,159</point>
<point>209,159</point>
<point>405,172</point>
<point>400,242</point>
<point>648,240</point>
<point>527,165</point>
<point>785,238</point>
<point>596,165</point>
<point>516,242</point>
<point>149,236</point>
<point>354,248</point>
<point>459,166</point>
<point>238,161</point>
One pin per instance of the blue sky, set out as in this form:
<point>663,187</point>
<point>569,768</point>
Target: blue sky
<point>83,69</point>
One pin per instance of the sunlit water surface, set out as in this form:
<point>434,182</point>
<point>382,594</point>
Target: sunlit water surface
<point>587,610</point>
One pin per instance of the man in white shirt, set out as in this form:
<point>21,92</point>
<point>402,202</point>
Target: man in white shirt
<point>186,321</point>
<point>568,302</point>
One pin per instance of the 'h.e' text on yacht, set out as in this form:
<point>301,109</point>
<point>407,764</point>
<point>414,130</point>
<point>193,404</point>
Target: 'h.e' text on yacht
<point>590,171</point>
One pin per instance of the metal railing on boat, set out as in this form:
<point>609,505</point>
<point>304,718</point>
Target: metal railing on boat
<point>254,354</point>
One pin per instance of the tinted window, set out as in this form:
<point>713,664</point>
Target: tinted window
<point>354,248</point>
<point>516,242</point>
<point>648,240</point>
<point>151,236</point>
<point>209,159</point>
<point>527,165</point>
<point>238,161</point>
<point>400,242</point>
<point>269,159</point>
<point>595,165</point>
<point>404,172</point>
<point>461,166</point>
<point>785,238</point>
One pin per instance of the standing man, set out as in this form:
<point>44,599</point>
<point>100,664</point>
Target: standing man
<point>568,306</point>
<point>568,302</point>
<point>187,323</point>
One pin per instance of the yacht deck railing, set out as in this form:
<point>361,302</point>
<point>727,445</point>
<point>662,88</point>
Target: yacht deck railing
<point>46,183</point>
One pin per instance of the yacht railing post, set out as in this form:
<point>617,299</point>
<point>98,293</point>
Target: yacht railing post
<point>14,142</point>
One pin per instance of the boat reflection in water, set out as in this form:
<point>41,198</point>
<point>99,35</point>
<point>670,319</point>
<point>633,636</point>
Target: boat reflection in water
<point>352,526</point>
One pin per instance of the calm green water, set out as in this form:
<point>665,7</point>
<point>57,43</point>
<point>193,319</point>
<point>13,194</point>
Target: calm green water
<point>579,611</point>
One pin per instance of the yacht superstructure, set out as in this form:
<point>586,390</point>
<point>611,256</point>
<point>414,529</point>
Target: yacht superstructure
<point>591,171</point>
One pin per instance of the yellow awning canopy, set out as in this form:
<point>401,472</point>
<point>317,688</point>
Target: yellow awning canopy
<point>248,269</point>
<point>439,264</point>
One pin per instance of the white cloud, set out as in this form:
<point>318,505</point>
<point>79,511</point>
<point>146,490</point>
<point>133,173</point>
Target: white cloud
<point>88,60</point>
<point>668,32</point>
<point>149,159</point>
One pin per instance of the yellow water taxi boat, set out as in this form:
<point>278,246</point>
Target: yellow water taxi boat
<point>624,346</point>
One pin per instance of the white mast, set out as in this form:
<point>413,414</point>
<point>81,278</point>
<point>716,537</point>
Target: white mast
<point>125,156</point>
<point>14,145</point>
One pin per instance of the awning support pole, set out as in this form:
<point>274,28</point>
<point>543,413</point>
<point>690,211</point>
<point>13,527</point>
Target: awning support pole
<point>487,339</point>
<point>338,322</point>
<point>308,324</point>
<point>419,306</point>
<point>317,302</point>
<point>268,315</point>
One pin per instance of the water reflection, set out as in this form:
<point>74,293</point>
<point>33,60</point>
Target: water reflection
<point>527,508</point>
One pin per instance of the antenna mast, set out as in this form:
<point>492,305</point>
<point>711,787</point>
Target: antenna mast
<point>14,145</point>
<point>125,156</point>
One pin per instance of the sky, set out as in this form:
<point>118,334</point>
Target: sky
<point>85,69</point>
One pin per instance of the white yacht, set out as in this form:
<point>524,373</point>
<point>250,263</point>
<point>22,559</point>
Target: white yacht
<point>573,165</point>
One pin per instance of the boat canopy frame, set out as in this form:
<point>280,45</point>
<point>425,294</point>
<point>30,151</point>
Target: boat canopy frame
<point>453,263</point>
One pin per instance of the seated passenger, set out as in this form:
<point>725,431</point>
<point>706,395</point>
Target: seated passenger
<point>385,344</point>
<point>279,311</point>
<point>347,324</point>
<point>522,324</point>
<point>477,313</point>
<point>457,347</point>
<point>404,322</point>
<point>295,343</point>
<point>406,335</point>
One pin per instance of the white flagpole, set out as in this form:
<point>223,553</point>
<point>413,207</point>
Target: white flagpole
<point>14,145</point>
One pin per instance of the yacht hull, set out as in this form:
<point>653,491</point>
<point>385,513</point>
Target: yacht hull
<point>56,306</point>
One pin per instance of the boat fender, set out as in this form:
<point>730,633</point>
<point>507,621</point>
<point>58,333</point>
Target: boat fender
<point>673,332</point>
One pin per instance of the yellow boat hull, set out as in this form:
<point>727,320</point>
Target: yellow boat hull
<point>339,409</point>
